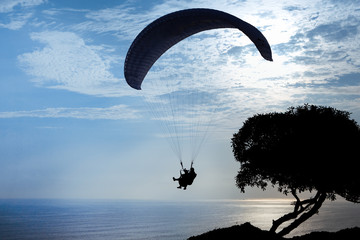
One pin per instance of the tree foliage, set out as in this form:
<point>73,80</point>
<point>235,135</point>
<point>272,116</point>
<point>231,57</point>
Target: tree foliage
<point>307,148</point>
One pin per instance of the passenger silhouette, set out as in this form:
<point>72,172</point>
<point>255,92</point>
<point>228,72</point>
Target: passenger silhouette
<point>186,178</point>
<point>191,176</point>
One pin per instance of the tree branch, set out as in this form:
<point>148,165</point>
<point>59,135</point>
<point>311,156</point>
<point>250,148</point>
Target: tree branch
<point>296,212</point>
<point>318,203</point>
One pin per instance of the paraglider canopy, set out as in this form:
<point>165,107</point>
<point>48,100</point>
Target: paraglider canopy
<point>166,31</point>
<point>184,111</point>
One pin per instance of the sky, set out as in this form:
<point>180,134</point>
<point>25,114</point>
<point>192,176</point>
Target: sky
<point>70,126</point>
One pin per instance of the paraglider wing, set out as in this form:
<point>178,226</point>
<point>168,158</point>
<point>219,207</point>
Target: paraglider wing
<point>166,31</point>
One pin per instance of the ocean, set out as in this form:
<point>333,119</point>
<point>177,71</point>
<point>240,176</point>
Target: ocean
<point>124,219</point>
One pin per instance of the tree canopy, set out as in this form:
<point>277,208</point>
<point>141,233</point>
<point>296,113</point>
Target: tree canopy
<point>307,148</point>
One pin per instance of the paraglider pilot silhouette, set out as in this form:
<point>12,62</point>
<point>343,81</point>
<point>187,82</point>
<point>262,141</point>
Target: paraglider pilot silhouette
<point>186,178</point>
<point>166,31</point>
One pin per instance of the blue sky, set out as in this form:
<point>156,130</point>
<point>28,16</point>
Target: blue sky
<point>70,126</point>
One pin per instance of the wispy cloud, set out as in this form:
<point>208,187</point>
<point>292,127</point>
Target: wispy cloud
<point>16,21</point>
<point>67,62</point>
<point>16,13</point>
<point>310,47</point>
<point>9,5</point>
<point>117,112</point>
<point>125,21</point>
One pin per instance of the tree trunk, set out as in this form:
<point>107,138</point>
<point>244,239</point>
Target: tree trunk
<point>285,218</point>
<point>304,216</point>
<point>299,209</point>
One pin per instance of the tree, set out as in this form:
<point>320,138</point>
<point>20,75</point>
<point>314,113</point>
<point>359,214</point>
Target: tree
<point>307,148</point>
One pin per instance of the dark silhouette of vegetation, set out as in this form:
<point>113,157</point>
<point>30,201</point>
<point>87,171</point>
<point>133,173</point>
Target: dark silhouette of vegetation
<point>307,148</point>
<point>247,231</point>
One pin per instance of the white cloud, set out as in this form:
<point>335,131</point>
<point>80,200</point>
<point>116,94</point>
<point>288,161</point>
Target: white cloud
<point>227,61</point>
<point>120,21</point>
<point>9,5</point>
<point>117,112</point>
<point>125,21</point>
<point>15,13</point>
<point>309,47</point>
<point>67,62</point>
<point>16,20</point>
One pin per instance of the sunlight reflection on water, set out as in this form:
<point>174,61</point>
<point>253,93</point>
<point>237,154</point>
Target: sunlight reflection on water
<point>102,219</point>
<point>332,216</point>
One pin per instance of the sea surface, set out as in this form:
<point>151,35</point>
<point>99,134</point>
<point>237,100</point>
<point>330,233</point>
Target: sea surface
<point>120,219</point>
